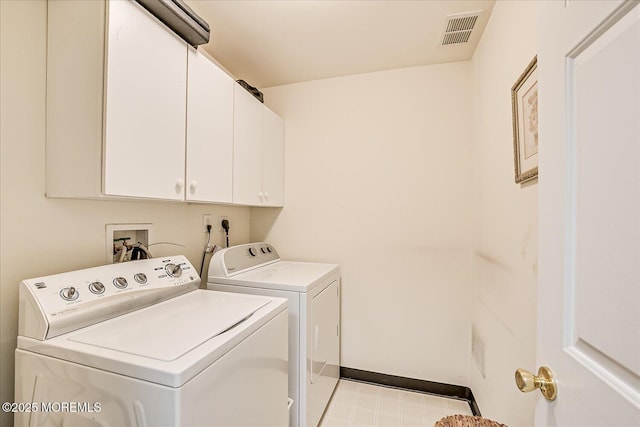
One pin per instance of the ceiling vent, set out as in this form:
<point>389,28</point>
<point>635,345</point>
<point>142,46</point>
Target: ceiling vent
<point>459,27</point>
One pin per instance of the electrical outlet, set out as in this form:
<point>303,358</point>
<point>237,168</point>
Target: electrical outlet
<point>220,218</point>
<point>207,219</point>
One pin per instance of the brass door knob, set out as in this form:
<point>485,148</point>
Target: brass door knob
<point>545,381</point>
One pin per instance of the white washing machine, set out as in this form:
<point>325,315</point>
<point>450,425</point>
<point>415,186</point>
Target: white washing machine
<point>137,344</point>
<point>313,292</point>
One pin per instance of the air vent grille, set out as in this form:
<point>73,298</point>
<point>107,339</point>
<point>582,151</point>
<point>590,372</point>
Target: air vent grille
<point>455,38</point>
<point>461,24</point>
<point>459,27</point>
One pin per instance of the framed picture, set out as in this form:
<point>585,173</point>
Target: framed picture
<point>524,101</point>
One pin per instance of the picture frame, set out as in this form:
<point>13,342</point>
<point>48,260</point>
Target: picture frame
<point>524,102</point>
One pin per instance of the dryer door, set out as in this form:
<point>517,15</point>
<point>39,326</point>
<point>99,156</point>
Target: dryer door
<point>325,344</point>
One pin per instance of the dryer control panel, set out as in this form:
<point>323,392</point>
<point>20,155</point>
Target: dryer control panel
<point>238,259</point>
<point>61,303</point>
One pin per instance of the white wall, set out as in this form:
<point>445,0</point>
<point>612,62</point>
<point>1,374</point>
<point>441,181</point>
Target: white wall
<point>41,236</point>
<point>505,220</point>
<point>377,179</point>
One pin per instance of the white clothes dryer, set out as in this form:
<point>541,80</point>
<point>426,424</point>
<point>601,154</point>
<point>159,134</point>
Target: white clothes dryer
<point>313,293</point>
<point>137,344</point>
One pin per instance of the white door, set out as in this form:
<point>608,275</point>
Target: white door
<point>209,131</point>
<point>146,93</point>
<point>247,148</point>
<point>589,211</point>
<point>272,159</point>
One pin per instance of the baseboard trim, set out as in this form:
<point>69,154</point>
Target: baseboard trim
<point>441,389</point>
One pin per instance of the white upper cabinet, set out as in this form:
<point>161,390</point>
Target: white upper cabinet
<point>209,131</point>
<point>134,112</point>
<point>116,102</point>
<point>272,159</point>
<point>258,156</point>
<point>144,136</point>
<point>247,148</point>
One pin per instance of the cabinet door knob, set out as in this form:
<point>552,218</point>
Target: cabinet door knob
<point>179,185</point>
<point>260,195</point>
<point>266,196</point>
<point>194,186</point>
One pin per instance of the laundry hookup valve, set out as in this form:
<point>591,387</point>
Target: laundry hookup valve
<point>129,252</point>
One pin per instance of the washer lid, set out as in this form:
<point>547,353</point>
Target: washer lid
<point>170,330</point>
<point>283,275</point>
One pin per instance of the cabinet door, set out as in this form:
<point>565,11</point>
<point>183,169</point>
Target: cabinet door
<point>247,148</point>
<point>209,131</point>
<point>273,159</point>
<point>144,140</point>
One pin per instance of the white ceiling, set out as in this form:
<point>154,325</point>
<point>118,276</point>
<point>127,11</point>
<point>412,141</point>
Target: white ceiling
<point>269,43</point>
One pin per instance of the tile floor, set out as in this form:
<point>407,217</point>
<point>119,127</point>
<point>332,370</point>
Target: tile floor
<point>361,404</point>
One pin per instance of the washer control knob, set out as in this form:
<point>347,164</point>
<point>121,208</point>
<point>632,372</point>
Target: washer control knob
<point>263,250</point>
<point>120,282</point>
<point>96,288</point>
<point>252,251</point>
<point>173,270</point>
<point>140,278</point>
<point>69,294</point>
